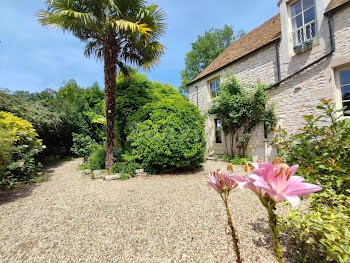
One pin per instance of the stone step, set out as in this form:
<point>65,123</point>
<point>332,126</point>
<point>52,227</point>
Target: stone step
<point>112,177</point>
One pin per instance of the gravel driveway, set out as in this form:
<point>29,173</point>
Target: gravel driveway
<point>168,218</point>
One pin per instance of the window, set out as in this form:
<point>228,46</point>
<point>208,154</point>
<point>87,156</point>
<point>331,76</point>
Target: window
<point>304,22</point>
<point>218,131</point>
<point>215,88</point>
<point>344,79</point>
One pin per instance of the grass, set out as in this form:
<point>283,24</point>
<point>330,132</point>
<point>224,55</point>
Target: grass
<point>42,177</point>
<point>124,177</point>
<point>82,167</point>
<point>237,160</point>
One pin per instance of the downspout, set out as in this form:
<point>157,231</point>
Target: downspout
<point>197,95</point>
<point>331,32</point>
<point>278,61</point>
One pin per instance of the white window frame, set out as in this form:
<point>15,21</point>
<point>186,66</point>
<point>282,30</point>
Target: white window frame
<point>339,98</point>
<point>217,88</point>
<point>304,26</point>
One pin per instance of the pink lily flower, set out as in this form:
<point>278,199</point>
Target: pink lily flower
<point>221,182</point>
<point>279,182</point>
<point>248,183</point>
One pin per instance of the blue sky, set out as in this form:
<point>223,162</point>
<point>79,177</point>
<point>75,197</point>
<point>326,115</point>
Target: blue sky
<point>34,58</point>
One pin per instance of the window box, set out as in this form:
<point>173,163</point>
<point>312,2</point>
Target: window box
<point>305,46</point>
<point>303,15</point>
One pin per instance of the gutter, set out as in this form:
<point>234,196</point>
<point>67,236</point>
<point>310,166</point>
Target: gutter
<point>331,33</point>
<point>332,11</point>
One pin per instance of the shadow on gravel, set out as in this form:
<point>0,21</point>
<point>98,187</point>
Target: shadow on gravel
<point>262,229</point>
<point>263,239</point>
<point>8,195</point>
<point>182,171</point>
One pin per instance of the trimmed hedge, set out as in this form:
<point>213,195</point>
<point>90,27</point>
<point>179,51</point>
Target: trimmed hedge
<point>167,133</point>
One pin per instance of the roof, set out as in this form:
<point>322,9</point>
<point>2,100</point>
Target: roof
<point>254,40</point>
<point>335,4</point>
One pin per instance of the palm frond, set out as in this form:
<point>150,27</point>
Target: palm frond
<point>94,48</point>
<point>125,25</point>
<point>96,118</point>
<point>86,17</point>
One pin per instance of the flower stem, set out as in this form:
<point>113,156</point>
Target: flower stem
<point>233,232</point>
<point>271,206</point>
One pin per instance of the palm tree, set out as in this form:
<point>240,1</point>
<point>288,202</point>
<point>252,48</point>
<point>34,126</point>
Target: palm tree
<point>119,32</point>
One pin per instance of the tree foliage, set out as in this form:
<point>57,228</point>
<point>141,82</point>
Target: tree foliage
<point>57,114</point>
<point>242,107</point>
<point>167,132</point>
<point>205,49</point>
<point>133,92</point>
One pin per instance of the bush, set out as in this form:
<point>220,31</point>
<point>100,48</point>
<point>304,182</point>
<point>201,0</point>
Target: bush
<point>125,168</point>
<point>241,160</point>
<point>25,146</point>
<point>97,160</point>
<point>83,146</point>
<point>6,149</point>
<point>321,148</point>
<point>167,133</point>
<point>322,233</point>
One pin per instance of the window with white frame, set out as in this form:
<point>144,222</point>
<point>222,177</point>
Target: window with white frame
<point>344,83</point>
<point>214,88</point>
<point>304,21</point>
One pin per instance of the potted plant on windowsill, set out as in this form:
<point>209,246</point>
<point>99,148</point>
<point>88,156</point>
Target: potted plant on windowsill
<point>304,46</point>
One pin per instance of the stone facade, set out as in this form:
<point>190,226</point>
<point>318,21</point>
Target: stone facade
<point>295,97</point>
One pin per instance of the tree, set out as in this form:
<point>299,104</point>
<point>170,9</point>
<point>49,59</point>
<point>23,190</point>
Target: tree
<point>119,32</point>
<point>207,48</point>
<point>240,107</point>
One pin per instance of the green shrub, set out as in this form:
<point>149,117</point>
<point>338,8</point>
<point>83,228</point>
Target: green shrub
<point>6,149</point>
<point>168,133</point>
<point>125,168</point>
<point>321,148</point>
<point>241,160</point>
<point>25,146</point>
<point>97,159</point>
<point>322,233</point>
<point>83,146</point>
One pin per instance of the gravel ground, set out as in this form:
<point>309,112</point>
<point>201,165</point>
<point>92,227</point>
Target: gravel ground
<point>167,218</point>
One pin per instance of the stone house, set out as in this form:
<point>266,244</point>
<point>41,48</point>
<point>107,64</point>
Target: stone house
<point>304,52</point>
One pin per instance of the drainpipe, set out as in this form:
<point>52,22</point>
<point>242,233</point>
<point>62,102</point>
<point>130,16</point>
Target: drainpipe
<point>278,61</point>
<point>197,95</point>
<point>331,33</point>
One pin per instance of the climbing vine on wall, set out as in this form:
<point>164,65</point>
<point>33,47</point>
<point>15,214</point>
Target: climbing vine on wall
<point>242,107</point>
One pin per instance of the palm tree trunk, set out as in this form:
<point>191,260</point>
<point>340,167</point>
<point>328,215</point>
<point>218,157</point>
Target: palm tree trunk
<point>110,68</point>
